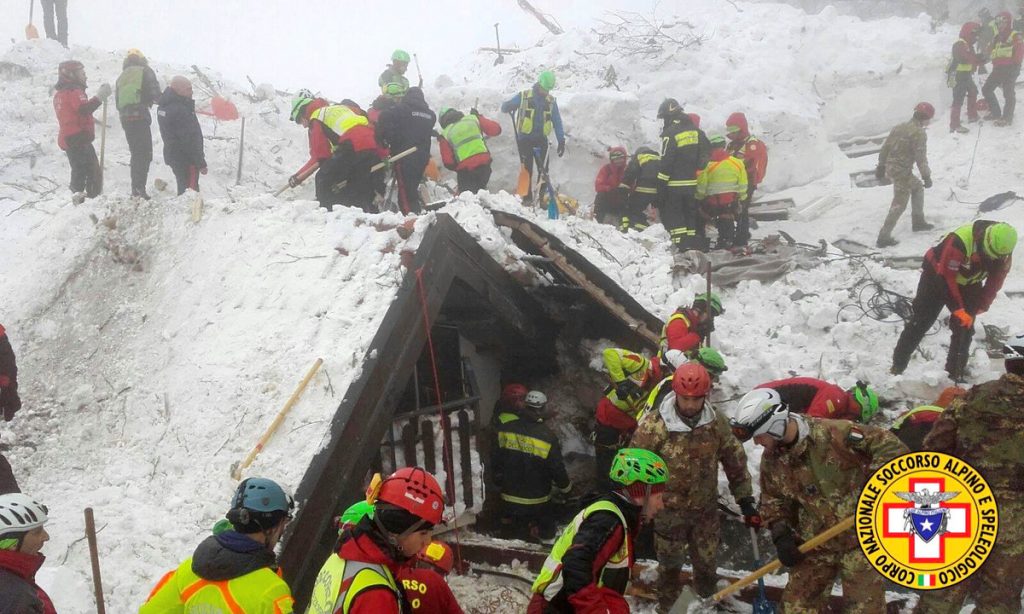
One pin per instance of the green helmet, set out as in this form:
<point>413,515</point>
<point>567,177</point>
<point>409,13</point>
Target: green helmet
<point>999,240</point>
<point>632,465</point>
<point>712,360</point>
<point>298,105</point>
<point>394,89</point>
<point>400,56</point>
<point>709,298</point>
<point>546,80</point>
<point>718,141</point>
<point>356,512</point>
<point>867,399</point>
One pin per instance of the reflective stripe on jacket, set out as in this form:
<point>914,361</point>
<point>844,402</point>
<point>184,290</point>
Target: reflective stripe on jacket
<point>340,582</point>
<point>182,590</point>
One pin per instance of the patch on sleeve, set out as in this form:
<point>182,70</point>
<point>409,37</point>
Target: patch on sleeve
<point>855,436</point>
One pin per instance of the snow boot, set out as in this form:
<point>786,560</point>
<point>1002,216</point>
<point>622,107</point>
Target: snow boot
<point>922,227</point>
<point>886,242</point>
<point>78,198</point>
<point>954,120</point>
<point>959,130</point>
<point>1004,121</point>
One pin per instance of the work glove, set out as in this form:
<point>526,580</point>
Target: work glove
<point>473,111</point>
<point>104,92</point>
<point>751,517</point>
<point>626,389</point>
<point>961,317</point>
<point>293,181</point>
<point>879,173</point>
<point>787,545</point>
<point>561,149</point>
<point>927,182</point>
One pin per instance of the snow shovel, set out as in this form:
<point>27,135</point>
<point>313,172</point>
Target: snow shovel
<point>30,30</point>
<point>762,605</point>
<point>688,597</point>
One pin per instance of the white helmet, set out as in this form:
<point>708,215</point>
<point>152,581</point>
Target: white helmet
<point>673,359</point>
<point>536,399</point>
<point>20,513</point>
<point>1013,349</point>
<point>760,411</point>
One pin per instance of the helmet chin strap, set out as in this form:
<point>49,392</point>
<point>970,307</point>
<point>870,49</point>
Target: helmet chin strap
<point>394,540</point>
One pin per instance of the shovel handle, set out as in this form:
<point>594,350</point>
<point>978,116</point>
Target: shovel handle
<point>844,525</point>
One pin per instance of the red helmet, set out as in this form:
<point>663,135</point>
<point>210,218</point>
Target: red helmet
<point>514,392</point>
<point>438,554</point>
<point>925,109</point>
<point>416,491</point>
<point>691,380</point>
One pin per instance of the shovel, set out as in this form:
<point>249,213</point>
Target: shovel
<point>762,605</point>
<point>30,30</point>
<point>500,59</point>
<point>688,598</point>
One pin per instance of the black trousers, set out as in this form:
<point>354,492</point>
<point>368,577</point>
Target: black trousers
<point>85,168</point>
<point>409,173</point>
<point>1005,78</point>
<point>526,155</point>
<point>633,214</point>
<point>140,146</point>
<point>60,7</point>
<point>474,179</point>
<point>353,168</point>
<point>681,218</point>
<point>187,177</point>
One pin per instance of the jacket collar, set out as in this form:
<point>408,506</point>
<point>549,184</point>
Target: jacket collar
<point>675,424</point>
<point>21,564</point>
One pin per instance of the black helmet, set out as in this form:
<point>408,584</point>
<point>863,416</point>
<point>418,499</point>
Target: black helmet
<point>669,109</point>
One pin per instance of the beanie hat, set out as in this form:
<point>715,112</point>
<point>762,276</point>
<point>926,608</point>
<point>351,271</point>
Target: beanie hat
<point>639,489</point>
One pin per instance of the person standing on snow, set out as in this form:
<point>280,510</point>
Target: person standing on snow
<point>906,145</point>
<point>78,128</point>
<point>22,535</point>
<point>754,154</point>
<point>721,188</point>
<point>820,399</point>
<point>182,134</point>
<point>684,152</point>
<point>812,471</point>
<point>640,185</point>
<point>393,82</point>
<point>10,403</point>
<point>464,147</point>
<point>235,570</point>
<point>58,9</point>
<point>951,275</point>
<point>1006,55</point>
<point>962,66</point>
<point>410,123</point>
<point>608,198</point>
<point>136,91</point>
<point>535,115</point>
<point>590,564</point>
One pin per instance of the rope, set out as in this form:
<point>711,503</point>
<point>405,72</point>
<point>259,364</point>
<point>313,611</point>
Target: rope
<point>446,440</point>
<point>973,155</point>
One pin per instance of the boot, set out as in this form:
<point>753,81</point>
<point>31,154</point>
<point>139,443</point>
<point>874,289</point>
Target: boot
<point>922,227</point>
<point>1004,121</point>
<point>959,130</point>
<point>886,242</point>
<point>954,120</point>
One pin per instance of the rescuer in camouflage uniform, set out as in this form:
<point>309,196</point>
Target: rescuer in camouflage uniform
<point>906,145</point>
<point>812,472</point>
<point>986,429</point>
<point>693,439</point>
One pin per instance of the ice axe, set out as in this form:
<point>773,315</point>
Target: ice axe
<point>688,597</point>
<point>500,59</point>
<point>30,30</point>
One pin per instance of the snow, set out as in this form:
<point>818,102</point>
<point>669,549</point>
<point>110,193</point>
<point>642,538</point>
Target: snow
<point>155,350</point>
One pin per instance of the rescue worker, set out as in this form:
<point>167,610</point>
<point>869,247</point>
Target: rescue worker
<point>424,584</point>
<point>687,328</point>
<point>137,89</point>
<point>10,403</point>
<point>362,573</point>
<point>55,11</point>
<point>182,134</point>
<point>234,570</point>
<point>720,189</point>
<point>463,146</point>
<point>528,470</point>
<point>78,128</point>
<point>913,426</point>
<point>608,197</point>
<point>589,567</point>
<point>906,145</point>
<point>820,399</point>
<point>22,535</point>
<point>320,144</point>
<point>684,153</point>
<point>754,154</point>
<point>812,471</point>
<point>963,66</point>
<point>408,124</point>
<point>951,275</point>
<point>1006,55</point>
<point>632,377</point>
<point>641,184</point>
<point>393,82</point>
<point>986,430</point>
<point>535,116</point>
<point>694,439</point>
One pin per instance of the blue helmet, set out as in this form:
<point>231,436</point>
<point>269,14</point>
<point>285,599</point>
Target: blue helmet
<point>262,495</point>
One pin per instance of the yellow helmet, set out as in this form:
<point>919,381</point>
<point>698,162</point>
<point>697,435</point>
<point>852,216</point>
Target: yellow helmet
<point>136,53</point>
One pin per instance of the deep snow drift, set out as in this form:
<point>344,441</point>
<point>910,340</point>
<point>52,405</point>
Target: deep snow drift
<point>154,350</point>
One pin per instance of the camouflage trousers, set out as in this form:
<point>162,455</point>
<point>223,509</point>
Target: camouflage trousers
<point>996,587</point>
<point>810,583</point>
<point>905,187</point>
<point>681,535</point>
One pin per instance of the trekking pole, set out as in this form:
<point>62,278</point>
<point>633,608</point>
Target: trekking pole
<point>97,582</point>
<point>241,151</point>
<point>237,468</point>
<point>103,139</point>
<point>376,167</point>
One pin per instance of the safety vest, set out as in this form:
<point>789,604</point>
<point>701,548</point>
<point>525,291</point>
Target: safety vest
<point>182,590</point>
<point>340,582</point>
<point>339,119</point>
<point>663,342</point>
<point>964,66</point>
<point>465,138</point>
<point>549,580</point>
<point>631,366</point>
<point>648,404</point>
<point>723,177</point>
<point>966,236</point>
<point>527,112</point>
<point>1003,49</point>
<point>129,87</point>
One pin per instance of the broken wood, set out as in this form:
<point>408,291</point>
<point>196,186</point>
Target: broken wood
<point>541,17</point>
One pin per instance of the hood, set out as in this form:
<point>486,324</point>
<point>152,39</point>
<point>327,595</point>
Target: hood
<point>739,120</point>
<point>969,31</point>
<point>230,555</point>
<point>172,97</point>
<point>414,98</point>
<point>20,564</point>
<point>1005,21</point>
<point>363,543</point>
<point>675,424</point>
<point>695,119</point>
<point>621,150</point>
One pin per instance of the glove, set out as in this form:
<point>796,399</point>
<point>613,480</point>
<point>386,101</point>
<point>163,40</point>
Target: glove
<point>104,92</point>
<point>561,149</point>
<point>293,181</point>
<point>961,317</point>
<point>927,182</point>
<point>473,111</point>
<point>751,517</point>
<point>879,173</point>
<point>786,544</point>
<point>626,389</point>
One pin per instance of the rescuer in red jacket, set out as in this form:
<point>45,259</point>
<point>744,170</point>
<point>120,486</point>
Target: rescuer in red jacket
<point>78,128</point>
<point>607,196</point>
<point>820,399</point>
<point>424,582</point>
<point>754,154</point>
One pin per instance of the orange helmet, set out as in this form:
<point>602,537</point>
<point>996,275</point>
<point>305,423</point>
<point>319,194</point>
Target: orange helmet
<point>691,380</point>
<point>438,554</point>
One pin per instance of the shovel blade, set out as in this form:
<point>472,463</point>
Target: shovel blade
<point>686,599</point>
<point>31,32</point>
